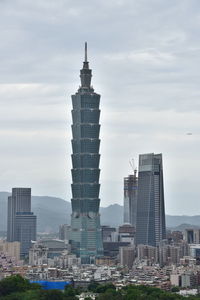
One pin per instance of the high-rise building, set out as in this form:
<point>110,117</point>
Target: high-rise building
<point>146,252</point>
<point>127,256</point>
<point>25,230</point>
<point>126,233</point>
<point>169,254</point>
<point>192,235</point>
<point>20,201</point>
<point>108,233</point>
<point>64,232</point>
<point>21,225</point>
<point>86,238</point>
<point>130,198</point>
<point>150,226</point>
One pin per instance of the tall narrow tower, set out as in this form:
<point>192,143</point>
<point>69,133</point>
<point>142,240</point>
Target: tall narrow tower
<point>130,198</point>
<point>85,236</point>
<point>21,221</point>
<point>150,225</point>
<point>20,201</point>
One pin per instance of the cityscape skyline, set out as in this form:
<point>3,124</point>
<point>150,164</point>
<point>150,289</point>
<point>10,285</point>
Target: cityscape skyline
<point>156,99</point>
<point>133,141</point>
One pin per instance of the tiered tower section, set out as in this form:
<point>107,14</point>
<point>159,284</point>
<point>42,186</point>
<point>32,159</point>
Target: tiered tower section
<point>86,237</point>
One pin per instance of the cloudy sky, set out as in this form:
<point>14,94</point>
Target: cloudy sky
<point>145,56</point>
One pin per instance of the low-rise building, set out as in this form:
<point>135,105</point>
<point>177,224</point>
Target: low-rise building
<point>11,249</point>
<point>38,255</point>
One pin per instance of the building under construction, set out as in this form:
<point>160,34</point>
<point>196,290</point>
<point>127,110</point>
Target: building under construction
<point>130,198</point>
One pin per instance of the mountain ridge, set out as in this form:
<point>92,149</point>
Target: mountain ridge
<point>54,211</point>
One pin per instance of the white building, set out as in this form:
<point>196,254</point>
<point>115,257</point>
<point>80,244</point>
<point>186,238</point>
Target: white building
<point>38,255</point>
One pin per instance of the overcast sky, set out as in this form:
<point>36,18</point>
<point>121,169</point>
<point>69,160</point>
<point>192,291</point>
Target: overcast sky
<point>145,57</point>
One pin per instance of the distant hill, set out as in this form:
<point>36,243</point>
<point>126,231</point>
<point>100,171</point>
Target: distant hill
<point>112,215</point>
<point>182,227</point>
<point>173,221</point>
<point>52,211</point>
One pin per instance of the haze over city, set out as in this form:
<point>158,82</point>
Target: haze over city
<point>144,56</point>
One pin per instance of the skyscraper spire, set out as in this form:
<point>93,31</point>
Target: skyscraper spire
<point>85,51</point>
<point>86,73</point>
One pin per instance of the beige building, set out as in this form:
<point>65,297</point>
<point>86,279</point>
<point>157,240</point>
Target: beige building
<point>10,248</point>
<point>127,256</point>
<point>175,279</point>
<point>169,254</point>
<point>146,252</point>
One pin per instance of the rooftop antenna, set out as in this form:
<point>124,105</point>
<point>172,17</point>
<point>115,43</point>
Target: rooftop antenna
<point>85,51</point>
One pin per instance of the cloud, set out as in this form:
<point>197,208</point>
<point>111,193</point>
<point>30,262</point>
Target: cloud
<point>151,56</point>
<point>144,57</point>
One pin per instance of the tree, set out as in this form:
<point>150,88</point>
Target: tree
<point>93,286</point>
<point>175,289</point>
<point>102,288</point>
<point>51,295</point>
<point>15,283</point>
<point>27,295</point>
<point>69,291</point>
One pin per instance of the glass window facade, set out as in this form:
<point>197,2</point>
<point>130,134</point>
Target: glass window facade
<point>150,225</point>
<point>85,237</point>
<point>21,221</point>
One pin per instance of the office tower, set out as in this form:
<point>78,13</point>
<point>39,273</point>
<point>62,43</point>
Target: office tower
<point>20,201</point>
<point>130,198</point>
<point>174,236</point>
<point>194,251</point>
<point>86,237</point>
<point>21,221</point>
<point>126,233</point>
<point>64,232</point>
<point>111,249</point>
<point>11,210</point>
<point>192,236</point>
<point>25,230</point>
<point>150,226</point>
<point>109,234</point>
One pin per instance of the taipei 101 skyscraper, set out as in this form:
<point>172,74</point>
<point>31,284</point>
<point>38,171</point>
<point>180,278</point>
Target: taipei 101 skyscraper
<point>85,238</point>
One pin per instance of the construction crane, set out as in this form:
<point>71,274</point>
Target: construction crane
<point>132,164</point>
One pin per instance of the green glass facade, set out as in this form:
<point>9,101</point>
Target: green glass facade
<point>85,239</point>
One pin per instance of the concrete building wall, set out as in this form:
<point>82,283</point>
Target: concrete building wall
<point>10,248</point>
<point>127,256</point>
